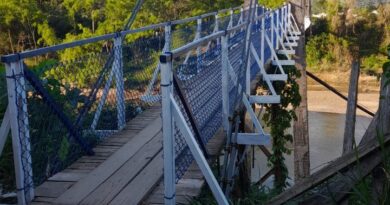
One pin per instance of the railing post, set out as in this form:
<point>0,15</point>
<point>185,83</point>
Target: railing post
<point>167,124</point>
<point>18,116</point>
<point>284,16</point>
<point>120,93</point>
<point>198,35</point>
<point>288,16</point>
<point>241,15</point>
<point>272,29</point>
<point>225,82</point>
<point>231,19</point>
<point>168,38</point>
<point>256,13</point>
<point>277,29</point>
<point>262,40</point>
<point>216,28</point>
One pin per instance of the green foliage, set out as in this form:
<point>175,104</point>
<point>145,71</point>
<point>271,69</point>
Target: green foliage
<point>272,3</point>
<point>279,117</point>
<point>373,64</point>
<point>345,28</point>
<point>327,52</point>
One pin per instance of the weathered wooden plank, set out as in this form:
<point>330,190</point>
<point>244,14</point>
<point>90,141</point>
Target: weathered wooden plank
<point>86,185</point>
<point>349,132</point>
<point>114,184</point>
<point>159,199</point>
<point>329,170</point>
<point>52,189</point>
<point>67,177</point>
<point>44,199</point>
<point>40,203</point>
<point>137,189</point>
<point>84,166</point>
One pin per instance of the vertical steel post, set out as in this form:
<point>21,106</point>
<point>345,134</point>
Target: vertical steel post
<point>256,13</point>
<point>262,40</point>
<point>198,35</point>
<point>120,93</point>
<point>277,29</point>
<point>241,15</point>
<point>18,116</point>
<point>225,82</point>
<point>231,19</point>
<point>288,16</point>
<point>168,38</point>
<point>217,27</point>
<point>168,135</point>
<point>272,30</point>
<point>285,17</point>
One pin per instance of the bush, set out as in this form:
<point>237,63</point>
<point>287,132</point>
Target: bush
<point>327,52</point>
<point>373,64</point>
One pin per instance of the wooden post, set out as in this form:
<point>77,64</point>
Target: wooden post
<point>383,128</point>
<point>350,118</point>
<point>301,131</point>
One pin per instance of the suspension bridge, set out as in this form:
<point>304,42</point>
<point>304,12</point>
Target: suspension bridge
<point>139,122</point>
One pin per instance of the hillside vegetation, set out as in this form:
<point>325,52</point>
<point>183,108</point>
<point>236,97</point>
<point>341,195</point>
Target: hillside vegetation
<point>344,27</point>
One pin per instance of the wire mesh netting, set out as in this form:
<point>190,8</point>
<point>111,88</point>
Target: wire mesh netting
<point>70,106</point>
<point>201,82</point>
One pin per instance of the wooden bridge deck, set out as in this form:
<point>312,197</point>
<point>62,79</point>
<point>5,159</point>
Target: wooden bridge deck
<point>127,168</point>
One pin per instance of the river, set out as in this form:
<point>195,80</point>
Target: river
<point>326,131</point>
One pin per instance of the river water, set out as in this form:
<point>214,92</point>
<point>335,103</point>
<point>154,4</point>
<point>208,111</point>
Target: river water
<point>326,131</point>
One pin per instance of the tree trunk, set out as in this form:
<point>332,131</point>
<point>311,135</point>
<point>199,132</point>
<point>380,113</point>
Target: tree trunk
<point>301,131</point>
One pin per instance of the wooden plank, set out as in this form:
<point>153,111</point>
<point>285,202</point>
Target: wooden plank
<point>180,199</point>
<point>135,191</point>
<point>44,199</point>
<point>185,187</point>
<point>113,185</point>
<point>86,185</point>
<point>84,166</point>
<point>328,171</point>
<point>52,189</point>
<point>349,132</point>
<point>67,176</point>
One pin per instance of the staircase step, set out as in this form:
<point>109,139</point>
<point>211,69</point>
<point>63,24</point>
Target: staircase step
<point>293,38</point>
<point>253,139</point>
<point>286,52</point>
<point>283,62</point>
<point>295,33</point>
<point>264,99</point>
<point>277,77</point>
<point>292,44</point>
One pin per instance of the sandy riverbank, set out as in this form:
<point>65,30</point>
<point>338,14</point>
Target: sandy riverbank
<point>322,100</point>
<point>325,101</point>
